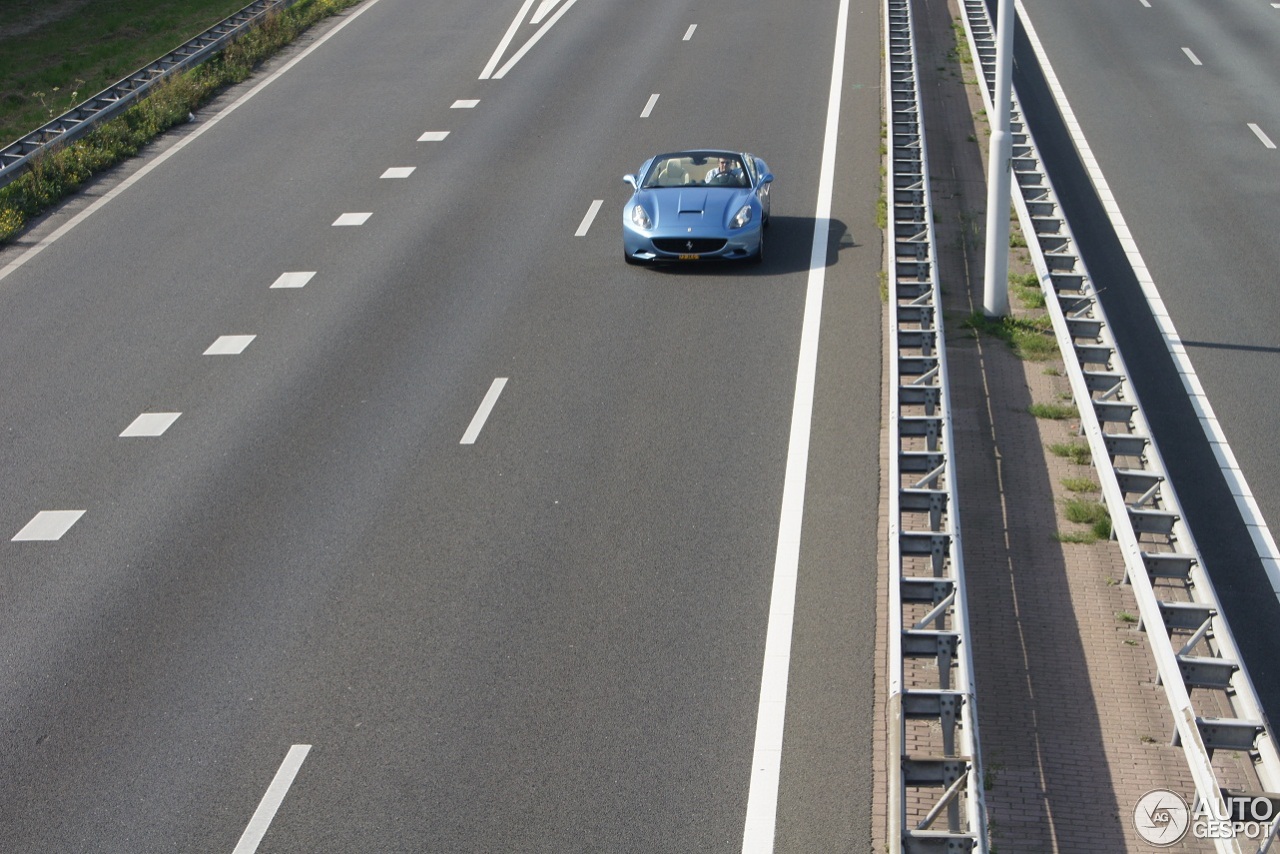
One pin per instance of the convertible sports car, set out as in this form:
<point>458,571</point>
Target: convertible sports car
<point>694,205</point>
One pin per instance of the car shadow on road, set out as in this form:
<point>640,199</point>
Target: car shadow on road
<point>788,246</point>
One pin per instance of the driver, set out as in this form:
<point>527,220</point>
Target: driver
<point>726,172</point>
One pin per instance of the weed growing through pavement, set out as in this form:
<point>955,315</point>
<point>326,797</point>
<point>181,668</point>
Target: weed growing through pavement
<point>1030,338</point>
<point>1077,452</point>
<point>1026,287</point>
<point>1079,484</point>
<point>1052,411</point>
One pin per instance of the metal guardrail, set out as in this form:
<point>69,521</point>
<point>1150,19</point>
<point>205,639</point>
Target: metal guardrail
<point>1213,701</point>
<point>935,779</point>
<point>116,98</point>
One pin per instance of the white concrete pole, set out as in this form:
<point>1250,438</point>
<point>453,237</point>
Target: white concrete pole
<point>995,297</point>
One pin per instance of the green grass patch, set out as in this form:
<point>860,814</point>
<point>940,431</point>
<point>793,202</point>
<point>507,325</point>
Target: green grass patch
<point>1026,287</point>
<point>58,173</point>
<point>961,52</point>
<point>1079,484</point>
<point>1030,338</point>
<point>50,53</point>
<point>1086,512</point>
<point>1079,538</point>
<point>1091,513</point>
<point>1052,411</point>
<point>1077,452</point>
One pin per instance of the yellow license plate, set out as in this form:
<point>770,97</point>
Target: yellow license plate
<point>689,257</point>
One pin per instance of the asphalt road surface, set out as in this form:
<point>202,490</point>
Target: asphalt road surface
<point>1179,105</point>
<point>444,530</point>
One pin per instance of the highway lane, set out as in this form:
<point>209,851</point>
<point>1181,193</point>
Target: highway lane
<point>550,639</point>
<point>1176,102</point>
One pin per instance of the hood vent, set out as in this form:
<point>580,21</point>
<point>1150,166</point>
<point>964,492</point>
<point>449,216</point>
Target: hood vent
<point>693,201</point>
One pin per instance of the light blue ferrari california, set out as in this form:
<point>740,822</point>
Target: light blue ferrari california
<point>695,205</point>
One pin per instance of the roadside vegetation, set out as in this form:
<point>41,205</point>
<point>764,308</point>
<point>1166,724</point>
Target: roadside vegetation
<point>59,173</point>
<point>52,52</point>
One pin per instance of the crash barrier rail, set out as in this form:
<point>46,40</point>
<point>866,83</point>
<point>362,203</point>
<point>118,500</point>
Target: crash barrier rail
<point>935,780</point>
<point>1216,711</point>
<point>113,100</point>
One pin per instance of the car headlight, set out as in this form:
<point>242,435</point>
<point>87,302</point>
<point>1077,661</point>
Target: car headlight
<point>641,217</point>
<point>741,218</point>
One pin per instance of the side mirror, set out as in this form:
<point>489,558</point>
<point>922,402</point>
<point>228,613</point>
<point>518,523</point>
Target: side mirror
<point>767,178</point>
<point>630,179</point>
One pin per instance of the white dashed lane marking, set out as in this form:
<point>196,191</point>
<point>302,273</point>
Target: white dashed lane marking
<point>1262,135</point>
<point>398,172</point>
<point>48,525</point>
<point>585,226</point>
<point>689,33</point>
<point>1195,60</point>
<point>270,803</point>
<point>151,424</point>
<point>353,218</point>
<point>482,414</point>
<point>648,108</point>
<point>465,104</point>
<point>229,345</point>
<point>293,280</point>
<point>433,136</point>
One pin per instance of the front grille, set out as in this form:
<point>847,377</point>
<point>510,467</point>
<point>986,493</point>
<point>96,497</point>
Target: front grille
<point>689,245</point>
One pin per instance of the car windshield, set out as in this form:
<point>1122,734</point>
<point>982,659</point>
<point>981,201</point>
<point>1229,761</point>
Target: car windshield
<point>685,169</point>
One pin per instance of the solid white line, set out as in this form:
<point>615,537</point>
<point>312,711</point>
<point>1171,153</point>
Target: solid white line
<point>48,525</point>
<point>151,424</point>
<point>1191,56</point>
<point>229,345</point>
<point>482,414</point>
<point>506,40</point>
<point>766,760</point>
<point>648,108</point>
<point>293,280</point>
<point>1263,540</point>
<point>585,226</point>
<point>465,104</point>
<point>1145,3</point>
<point>433,136</point>
<point>1266,140</point>
<point>398,172</point>
<point>353,219</point>
<point>179,145</point>
<point>689,33</point>
<point>271,801</point>
<point>551,22</point>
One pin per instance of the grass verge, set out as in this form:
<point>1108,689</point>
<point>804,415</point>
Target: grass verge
<point>57,174</point>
